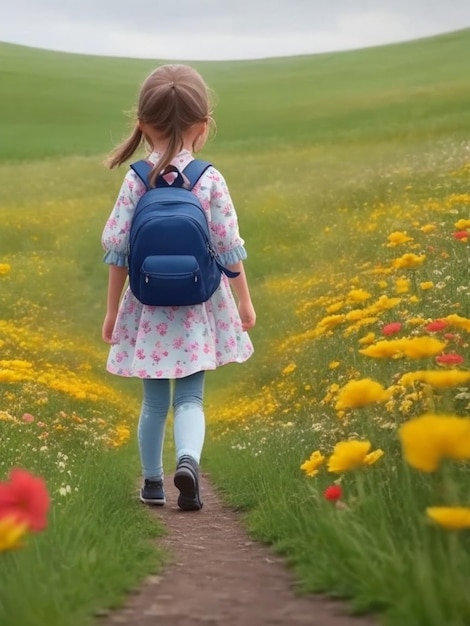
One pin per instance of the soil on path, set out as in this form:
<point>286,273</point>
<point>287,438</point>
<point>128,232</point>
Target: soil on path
<point>217,576</point>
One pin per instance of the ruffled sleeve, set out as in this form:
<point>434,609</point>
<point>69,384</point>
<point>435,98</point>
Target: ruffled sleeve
<point>232,257</point>
<point>224,222</point>
<point>115,237</point>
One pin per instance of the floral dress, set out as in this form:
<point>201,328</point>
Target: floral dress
<point>176,341</point>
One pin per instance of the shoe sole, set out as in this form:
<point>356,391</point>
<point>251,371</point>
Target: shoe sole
<point>188,486</point>
<point>152,501</point>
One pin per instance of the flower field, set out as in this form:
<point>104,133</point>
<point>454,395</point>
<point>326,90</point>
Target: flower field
<point>67,464</point>
<point>367,410</point>
<point>345,440</point>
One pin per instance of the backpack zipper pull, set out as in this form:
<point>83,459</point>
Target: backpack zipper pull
<point>211,250</point>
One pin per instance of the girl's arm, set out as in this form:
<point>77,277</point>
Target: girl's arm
<point>241,289</point>
<point>116,281</point>
<point>115,239</point>
<point>229,244</point>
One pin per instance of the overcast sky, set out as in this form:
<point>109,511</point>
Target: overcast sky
<point>223,29</point>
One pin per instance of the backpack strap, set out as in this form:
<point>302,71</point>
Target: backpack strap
<point>194,170</point>
<point>142,169</point>
<point>225,270</point>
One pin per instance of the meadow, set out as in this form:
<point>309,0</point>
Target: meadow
<point>345,440</point>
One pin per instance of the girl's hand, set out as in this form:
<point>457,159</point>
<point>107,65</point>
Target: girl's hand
<point>108,327</point>
<point>247,314</point>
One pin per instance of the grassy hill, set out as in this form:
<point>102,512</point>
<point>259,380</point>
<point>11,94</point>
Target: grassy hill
<point>57,104</point>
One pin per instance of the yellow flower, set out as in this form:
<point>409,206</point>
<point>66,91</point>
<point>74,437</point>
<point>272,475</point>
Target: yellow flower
<point>358,295</point>
<point>10,376</point>
<point>11,533</point>
<point>383,349</point>
<point>458,321</point>
<point>357,325</point>
<point>373,457</point>
<point>334,364</point>
<point>428,439</point>
<point>384,303</point>
<point>415,321</point>
<point>402,285</point>
<point>369,338</point>
<point>421,347</point>
<point>311,465</point>
<point>426,285</point>
<point>349,455</point>
<point>333,308</point>
<point>4,269</point>
<point>462,224</point>
<point>408,261</point>
<point>16,364</point>
<point>437,378</point>
<point>355,314</point>
<point>415,348</point>
<point>397,238</point>
<point>450,517</point>
<point>289,369</point>
<point>377,271</point>
<point>7,417</point>
<point>328,323</point>
<point>428,228</point>
<point>358,393</point>
<point>120,436</point>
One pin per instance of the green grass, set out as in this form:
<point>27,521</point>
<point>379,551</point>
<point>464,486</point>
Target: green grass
<point>325,156</point>
<point>97,545</point>
<point>72,104</point>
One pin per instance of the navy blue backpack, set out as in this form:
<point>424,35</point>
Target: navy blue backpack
<point>171,259</point>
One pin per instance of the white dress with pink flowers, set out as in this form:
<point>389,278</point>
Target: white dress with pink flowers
<point>172,342</point>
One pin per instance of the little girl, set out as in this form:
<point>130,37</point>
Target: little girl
<point>161,344</point>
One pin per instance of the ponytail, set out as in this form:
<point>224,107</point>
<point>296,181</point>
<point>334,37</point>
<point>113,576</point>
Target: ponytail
<point>175,143</point>
<point>125,149</point>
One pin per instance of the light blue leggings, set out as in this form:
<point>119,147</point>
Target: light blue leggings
<point>189,422</point>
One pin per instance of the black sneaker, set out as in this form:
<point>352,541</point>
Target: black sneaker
<point>152,492</point>
<point>187,481</point>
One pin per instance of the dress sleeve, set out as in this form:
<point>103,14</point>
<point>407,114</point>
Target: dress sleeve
<point>115,237</point>
<point>224,222</point>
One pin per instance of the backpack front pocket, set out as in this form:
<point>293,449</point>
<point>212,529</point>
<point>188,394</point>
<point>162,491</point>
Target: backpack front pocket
<point>171,280</point>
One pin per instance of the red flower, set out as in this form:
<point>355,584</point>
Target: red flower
<point>461,234</point>
<point>450,336</point>
<point>25,498</point>
<point>436,326</point>
<point>449,359</point>
<point>392,328</point>
<point>333,493</point>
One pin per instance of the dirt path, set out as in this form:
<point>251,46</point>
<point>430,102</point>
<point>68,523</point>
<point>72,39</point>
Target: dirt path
<point>217,576</point>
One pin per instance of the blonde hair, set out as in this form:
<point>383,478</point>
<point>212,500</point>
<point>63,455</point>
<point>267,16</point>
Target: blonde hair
<point>171,100</point>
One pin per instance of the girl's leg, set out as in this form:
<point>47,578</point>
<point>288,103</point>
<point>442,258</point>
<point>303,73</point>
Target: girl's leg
<point>189,430</point>
<point>151,428</point>
<point>189,420</point>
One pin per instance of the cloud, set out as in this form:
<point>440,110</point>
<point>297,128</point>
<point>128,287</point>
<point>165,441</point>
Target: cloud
<point>211,29</point>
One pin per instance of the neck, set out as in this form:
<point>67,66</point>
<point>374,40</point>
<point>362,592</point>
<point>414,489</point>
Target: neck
<point>161,147</point>
<point>194,136</point>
